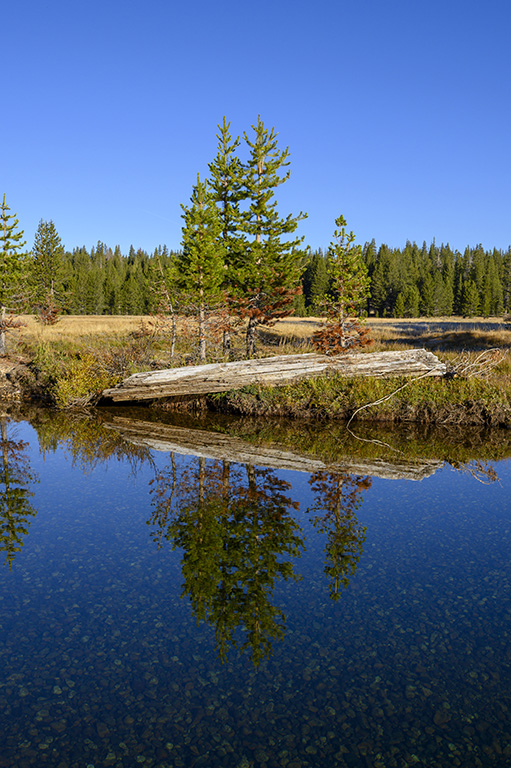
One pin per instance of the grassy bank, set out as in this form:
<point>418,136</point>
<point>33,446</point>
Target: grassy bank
<point>428,400</point>
<point>72,361</point>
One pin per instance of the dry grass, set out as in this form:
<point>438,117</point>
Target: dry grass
<point>443,333</point>
<point>71,328</point>
<point>440,333</point>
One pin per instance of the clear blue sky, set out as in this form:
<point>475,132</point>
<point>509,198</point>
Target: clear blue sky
<point>397,114</point>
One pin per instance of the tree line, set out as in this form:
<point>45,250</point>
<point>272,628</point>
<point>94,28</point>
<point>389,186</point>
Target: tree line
<point>240,260</point>
<point>421,281</point>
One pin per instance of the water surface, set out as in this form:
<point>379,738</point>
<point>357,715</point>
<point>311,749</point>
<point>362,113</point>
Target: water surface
<point>163,609</point>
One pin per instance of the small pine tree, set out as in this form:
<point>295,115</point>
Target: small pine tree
<point>199,269</point>
<point>47,268</point>
<point>348,292</point>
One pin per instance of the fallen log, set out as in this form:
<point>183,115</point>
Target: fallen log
<point>223,447</point>
<point>276,371</point>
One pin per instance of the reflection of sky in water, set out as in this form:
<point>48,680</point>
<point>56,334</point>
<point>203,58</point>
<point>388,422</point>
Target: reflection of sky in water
<point>102,662</point>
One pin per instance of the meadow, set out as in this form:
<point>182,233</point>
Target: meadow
<point>82,354</point>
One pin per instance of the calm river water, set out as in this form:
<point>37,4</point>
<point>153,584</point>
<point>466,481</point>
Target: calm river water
<point>165,609</point>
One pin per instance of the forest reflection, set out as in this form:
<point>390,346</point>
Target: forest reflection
<point>233,522</point>
<point>235,526</point>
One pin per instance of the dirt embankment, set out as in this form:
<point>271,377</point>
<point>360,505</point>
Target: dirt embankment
<point>18,381</point>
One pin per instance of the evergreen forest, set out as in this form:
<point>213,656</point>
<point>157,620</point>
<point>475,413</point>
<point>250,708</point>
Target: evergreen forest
<point>409,282</point>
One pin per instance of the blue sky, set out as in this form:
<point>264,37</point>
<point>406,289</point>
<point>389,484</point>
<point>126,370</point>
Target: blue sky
<point>396,114</point>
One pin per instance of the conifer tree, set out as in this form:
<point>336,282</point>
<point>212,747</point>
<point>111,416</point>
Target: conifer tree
<point>380,283</point>
<point>506,280</point>
<point>315,280</point>
<point>226,174</point>
<point>13,263</point>
<point>267,273</point>
<point>399,306</point>
<point>349,289</point>
<point>470,304</point>
<point>16,478</point>
<point>47,269</point>
<point>411,298</point>
<point>199,269</point>
<point>492,302</point>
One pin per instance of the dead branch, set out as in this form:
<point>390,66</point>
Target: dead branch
<point>465,366</point>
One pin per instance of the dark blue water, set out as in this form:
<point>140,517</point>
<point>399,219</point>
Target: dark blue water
<point>166,611</point>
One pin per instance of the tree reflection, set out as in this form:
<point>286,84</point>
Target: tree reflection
<point>234,525</point>
<point>87,441</point>
<point>15,507</point>
<point>337,498</point>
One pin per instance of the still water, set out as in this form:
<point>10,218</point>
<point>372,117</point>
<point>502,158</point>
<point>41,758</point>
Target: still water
<point>169,609</point>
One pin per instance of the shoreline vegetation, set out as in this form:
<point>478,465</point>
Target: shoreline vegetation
<point>70,363</point>
<point>131,432</point>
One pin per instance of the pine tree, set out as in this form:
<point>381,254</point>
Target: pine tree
<point>13,266</point>
<point>268,271</point>
<point>411,298</point>
<point>226,173</point>
<point>492,302</point>
<point>199,269</point>
<point>470,304</point>
<point>315,280</point>
<point>399,306</point>
<point>379,302</point>
<point>47,269</point>
<point>506,279</point>
<point>347,295</point>
<point>16,478</point>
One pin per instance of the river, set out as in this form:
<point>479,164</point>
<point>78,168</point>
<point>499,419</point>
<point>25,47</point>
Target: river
<point>177,594</point>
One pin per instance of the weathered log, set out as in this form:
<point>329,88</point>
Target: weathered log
<point>223,447</point>
<point>277,371</point>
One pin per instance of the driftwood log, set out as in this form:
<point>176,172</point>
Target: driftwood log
<point>276,371</point>
<point>224,447</point>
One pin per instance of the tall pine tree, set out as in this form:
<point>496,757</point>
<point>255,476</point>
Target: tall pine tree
<point>226,174</point>
<point>268,271</point>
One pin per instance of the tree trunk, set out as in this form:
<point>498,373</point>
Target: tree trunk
<point>251,337</point>
<point>2,332</point>
<point>202,332</point>
<point>274,371</point>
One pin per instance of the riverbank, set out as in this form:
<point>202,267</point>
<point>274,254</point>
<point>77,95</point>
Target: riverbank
<point>430,400</point>
<point>70,371</point>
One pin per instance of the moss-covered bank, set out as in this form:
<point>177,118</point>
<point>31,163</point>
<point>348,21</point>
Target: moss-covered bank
<point>430,400</point>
